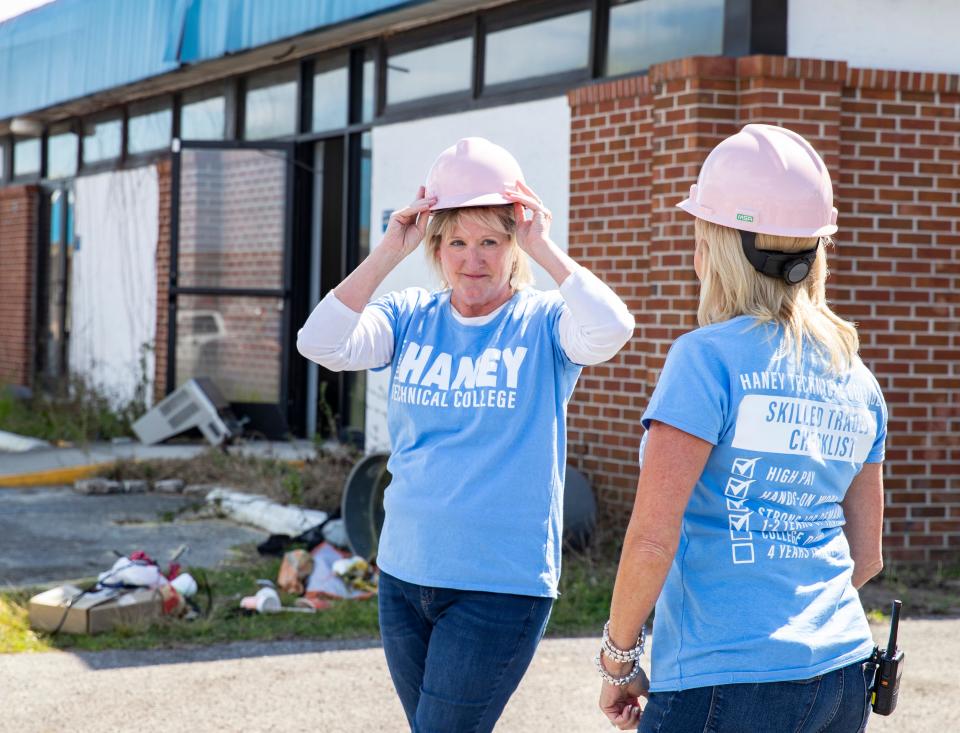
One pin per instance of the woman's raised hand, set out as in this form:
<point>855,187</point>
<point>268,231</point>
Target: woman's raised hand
<point>536,230</point>
<point>408,226</point>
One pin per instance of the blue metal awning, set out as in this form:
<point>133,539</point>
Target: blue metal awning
<point>73,48</point>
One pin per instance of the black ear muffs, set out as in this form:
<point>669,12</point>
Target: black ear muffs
<point>791,267</point>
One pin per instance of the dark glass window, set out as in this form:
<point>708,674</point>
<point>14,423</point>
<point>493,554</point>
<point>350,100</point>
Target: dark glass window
<point>26,156</point>
<point>149,127</point>
<point>541,48</point>
<point>63,147</point>
<point>330,96</point>
<point>203,117</point>
<point>3,159</point>
<point>270,106</point>
<point>646,32</point>
<point>428,72</point>
<point>102,139</point>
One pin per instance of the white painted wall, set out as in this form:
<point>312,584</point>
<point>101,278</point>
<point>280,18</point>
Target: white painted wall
<point>908,35</point>
<point>538,135</point>
<point>113,280</point>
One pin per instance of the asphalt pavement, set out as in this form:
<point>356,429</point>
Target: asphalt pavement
<point>50,535</point>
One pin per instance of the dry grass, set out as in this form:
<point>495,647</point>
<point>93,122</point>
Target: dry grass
<point>317,483</point>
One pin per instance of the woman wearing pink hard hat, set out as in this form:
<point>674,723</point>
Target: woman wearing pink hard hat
<point>759,505</point>
<point>481,371</point>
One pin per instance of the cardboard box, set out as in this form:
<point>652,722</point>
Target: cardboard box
<point>93,613</point>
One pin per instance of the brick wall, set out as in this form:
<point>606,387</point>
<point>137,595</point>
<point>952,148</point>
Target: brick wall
<point>18,226</point>
<point>892,143</point>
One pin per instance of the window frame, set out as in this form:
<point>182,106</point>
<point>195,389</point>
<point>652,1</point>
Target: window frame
<point>133,109</point>
<point>33,176</point>
<point>422,38</point>
<point>107,115</point>
<point>201,93</point>
<point>501,19</point>
<point>296,69</point>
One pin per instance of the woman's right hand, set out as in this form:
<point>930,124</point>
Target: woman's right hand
<point>408,226</point>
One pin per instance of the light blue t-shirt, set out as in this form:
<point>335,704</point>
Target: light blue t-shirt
<point>760,588</point>
<point>477,419</point>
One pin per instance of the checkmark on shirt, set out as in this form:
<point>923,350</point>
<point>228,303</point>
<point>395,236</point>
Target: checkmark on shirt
<point>737,488</point>
<point>744,466</point>
<point>735,505</point>
<point>740,526</point>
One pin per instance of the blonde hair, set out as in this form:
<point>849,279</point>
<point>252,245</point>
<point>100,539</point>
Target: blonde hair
<point>496,218</point>
<point>730,287</point>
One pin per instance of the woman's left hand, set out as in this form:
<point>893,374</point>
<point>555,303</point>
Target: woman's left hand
<point>621,704</point>
<point>536,230</point>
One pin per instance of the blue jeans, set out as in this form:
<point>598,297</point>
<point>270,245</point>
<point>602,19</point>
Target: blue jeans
<point>836,702</point>
<point>456,656</point>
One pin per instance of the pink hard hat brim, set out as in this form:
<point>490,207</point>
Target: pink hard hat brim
<point>459,202</point>
<point>702,212</point>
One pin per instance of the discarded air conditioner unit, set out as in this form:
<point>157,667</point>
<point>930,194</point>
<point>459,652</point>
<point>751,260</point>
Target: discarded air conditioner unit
<point>196,404</point>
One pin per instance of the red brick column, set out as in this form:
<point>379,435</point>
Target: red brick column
<point>164,182</point>
<point>18,245</point>
<point>610,208</point>
<point>892,143</point>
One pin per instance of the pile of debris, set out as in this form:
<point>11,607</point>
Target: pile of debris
<point>134,592</point>
<point>317,572</point>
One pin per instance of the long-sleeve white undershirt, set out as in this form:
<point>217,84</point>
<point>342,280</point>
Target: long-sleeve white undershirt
<point>594,326</point>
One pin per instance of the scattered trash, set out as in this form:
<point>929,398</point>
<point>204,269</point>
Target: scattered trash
<point>185,585</point>
<point>260,511</point>
<point>15,443</point>
<point>195,404</point>
<point>357,579</point>
<point>75,611</point>
<point>329,530</point>
<point>266,600</point>
<point>295,568</point>
<point>129,572</point>
<point>132,592</point>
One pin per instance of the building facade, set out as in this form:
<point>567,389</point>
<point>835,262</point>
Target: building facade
<point>179,188</point>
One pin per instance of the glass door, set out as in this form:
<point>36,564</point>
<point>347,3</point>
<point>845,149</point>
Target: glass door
<point>230,275</point>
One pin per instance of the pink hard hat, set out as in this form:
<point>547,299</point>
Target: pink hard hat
<point>474,172</point>
<point>768,180</point>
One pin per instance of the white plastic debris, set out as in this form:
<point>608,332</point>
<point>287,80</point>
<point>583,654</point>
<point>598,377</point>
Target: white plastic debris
<point>262,512</point>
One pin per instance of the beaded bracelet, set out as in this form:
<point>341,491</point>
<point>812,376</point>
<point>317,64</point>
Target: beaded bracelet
<point>617,681</point>
<point>623,655</point>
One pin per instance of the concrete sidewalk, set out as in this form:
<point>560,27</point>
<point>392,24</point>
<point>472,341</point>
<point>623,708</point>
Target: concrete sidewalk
<point>54,466</point>
<point>344,687</point>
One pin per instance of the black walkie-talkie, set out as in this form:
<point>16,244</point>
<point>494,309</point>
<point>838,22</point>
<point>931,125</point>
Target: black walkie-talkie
<point>886,683</point>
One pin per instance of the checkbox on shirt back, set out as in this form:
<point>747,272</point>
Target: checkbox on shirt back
<point>736,505</point>
<point>742,553</point>
<point>737,488</point>
<point>744,466</point>
<point>740,526</point>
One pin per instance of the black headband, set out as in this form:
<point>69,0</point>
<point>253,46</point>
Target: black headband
<point>791,267</point>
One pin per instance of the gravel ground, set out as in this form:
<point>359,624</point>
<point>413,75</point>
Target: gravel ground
<point>344,687</point>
